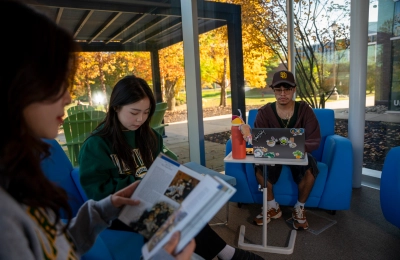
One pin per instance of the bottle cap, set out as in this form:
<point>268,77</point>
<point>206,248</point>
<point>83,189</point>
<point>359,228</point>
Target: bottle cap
<point>237,120</point>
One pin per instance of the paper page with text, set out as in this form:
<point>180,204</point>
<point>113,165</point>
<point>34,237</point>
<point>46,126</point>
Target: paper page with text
<point>192,216</point>
<point>174,197</point>
<point>162,190</point>
<point>209,210</point>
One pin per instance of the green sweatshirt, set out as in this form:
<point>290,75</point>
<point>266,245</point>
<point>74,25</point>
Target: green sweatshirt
<point>101,171</point>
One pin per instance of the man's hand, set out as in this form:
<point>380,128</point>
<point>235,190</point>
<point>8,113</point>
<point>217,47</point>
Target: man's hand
<point>123,197</point>
<point>246,132</point>
<point>186,253</point>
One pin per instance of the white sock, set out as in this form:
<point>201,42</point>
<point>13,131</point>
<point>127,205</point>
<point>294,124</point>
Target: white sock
<point>226,253</point>
<point>298,204</point>
<point>271,204</point>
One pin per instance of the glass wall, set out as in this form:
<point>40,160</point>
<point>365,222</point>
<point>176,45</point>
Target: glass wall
<point>394,103</point>
<point>323,51</point>
<point>152,41</point>
<point>383,123</point>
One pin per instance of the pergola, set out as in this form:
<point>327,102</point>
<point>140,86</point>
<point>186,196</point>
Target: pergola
<point>149,25</point>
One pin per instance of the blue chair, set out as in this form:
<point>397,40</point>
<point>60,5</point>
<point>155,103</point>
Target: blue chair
<point>333,186</point>
<point>390,187</point>
<point>110,244</point>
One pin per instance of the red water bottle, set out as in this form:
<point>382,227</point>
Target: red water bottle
<point>238,143</point>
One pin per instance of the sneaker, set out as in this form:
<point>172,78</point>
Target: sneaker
<point>299,218</point>
<point>241,254</point>
<point>271,213</point>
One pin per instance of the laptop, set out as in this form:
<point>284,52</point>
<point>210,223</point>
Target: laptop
<point>284,143</point>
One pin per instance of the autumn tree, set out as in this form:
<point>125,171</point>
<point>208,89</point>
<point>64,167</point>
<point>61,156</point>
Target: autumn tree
<point>257,56</point>
<point>85,76</point>
<point>128,63</point>
<point>132,63</point>
<point>97,70</point>
<point>104,63</point>
<point>313,40</point>
<point>214,60</point>
<point>172,72</point>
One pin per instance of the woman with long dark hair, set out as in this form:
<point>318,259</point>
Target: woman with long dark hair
<point>123,147</point>
<point>35,82</point>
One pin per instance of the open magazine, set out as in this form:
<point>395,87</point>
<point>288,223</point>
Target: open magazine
<point>174,197</point>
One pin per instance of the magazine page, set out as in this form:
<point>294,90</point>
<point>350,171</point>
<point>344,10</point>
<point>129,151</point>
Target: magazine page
<point>161,192</point>
<point>195,211</point>
<point>208,211</point>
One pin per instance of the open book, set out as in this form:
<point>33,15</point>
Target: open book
<point>174,197</point>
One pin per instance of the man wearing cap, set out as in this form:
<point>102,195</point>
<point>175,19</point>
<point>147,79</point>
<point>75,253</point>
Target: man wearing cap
<point>287,113</point>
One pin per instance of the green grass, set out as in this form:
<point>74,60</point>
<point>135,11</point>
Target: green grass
<point>212,93</point>
<point>211,97</point>
<point>255,92</point>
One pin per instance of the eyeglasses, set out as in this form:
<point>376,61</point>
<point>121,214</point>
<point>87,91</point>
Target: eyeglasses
<point>284,90</point>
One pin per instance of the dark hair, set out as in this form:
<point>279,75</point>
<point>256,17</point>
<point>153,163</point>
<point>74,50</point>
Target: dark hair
<point>40,64</point>
<point>128,90</point>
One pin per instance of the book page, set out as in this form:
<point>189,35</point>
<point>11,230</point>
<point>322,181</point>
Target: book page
<point>194,213</point>
<point>162,190</point>
<point>173,197</point>
<point>208,211</point>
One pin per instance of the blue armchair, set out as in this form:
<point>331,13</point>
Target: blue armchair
<point>333,186</point>
<point>110,244</point>
<point>390,187</point>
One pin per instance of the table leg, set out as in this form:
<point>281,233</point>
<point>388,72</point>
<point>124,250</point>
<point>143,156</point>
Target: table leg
<point>264,247</point>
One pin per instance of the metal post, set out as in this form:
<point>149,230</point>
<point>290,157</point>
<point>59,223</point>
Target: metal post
<point>290,36</point>
<point>358,82</point>
<point>190,33</point>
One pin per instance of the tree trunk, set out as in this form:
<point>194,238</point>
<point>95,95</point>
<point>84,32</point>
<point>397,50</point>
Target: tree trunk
<point>322,100</point>
<point>102,84</point>
<point>89,91</point>
<point>223,96</point>
<point>171,104</point>
<point>170,93</point>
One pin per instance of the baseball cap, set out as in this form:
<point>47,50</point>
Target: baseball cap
<point>283,77</point>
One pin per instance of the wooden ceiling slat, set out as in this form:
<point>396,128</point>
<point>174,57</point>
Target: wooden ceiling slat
<point>83,22</point>
<point>59,14</point>
<point>147,23</point>
<point>113,17</point>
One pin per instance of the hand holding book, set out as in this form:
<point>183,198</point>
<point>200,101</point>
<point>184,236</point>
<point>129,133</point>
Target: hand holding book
<point>174,198</point>
<point>186,253</point>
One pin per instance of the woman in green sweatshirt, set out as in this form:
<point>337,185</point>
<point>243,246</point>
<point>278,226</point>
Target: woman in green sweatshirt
<point>122,148</point>
<point>115,155</point>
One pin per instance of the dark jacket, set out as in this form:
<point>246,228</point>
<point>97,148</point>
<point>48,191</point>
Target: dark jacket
<point>306,119</point>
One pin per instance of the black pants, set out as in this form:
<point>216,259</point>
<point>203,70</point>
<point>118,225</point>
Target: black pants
<point>298,171</point>
<point>208,243</point>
